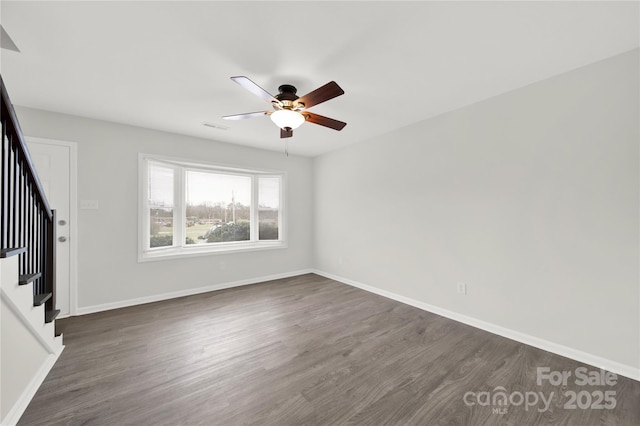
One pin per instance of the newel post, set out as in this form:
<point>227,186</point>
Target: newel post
<point>50,263</point>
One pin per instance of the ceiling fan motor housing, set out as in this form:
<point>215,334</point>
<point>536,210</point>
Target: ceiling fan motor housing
<point>287,95</point>
<point>287,88</point>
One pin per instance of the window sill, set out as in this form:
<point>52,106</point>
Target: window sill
<point>184,252</point>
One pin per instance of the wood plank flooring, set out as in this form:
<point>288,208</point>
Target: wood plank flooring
<point>302,351</point>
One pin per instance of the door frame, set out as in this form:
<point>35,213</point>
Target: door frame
<point>73,217</point>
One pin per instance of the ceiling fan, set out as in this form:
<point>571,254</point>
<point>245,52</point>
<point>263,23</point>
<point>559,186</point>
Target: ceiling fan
<point>289,110</point>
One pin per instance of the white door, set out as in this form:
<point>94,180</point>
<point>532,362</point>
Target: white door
<point>53,165</point>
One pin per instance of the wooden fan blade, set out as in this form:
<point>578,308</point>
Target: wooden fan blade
<point>324,121</point>
<point>286,133</point>
<point>244,116</point>
<point>321,94</point>
<point>254,88</point>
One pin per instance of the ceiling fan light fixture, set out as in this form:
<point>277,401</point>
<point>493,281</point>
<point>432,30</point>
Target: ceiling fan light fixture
<point>284,118</point>
<point>291,110</point>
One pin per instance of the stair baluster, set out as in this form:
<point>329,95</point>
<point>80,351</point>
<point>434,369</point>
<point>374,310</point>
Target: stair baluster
<point>27,223</point>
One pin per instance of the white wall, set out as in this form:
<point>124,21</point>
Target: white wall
<point>28,348</point>
<point>531,198</point>
<point>108,271</point>
<point>22,358</point>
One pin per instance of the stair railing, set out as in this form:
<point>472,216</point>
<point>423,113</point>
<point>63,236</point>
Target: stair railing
<point>27,223</point>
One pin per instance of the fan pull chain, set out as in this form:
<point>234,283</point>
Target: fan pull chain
<point>286,147</point>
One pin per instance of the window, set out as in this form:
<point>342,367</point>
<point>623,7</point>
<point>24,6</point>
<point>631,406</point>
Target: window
<point>189,209</point>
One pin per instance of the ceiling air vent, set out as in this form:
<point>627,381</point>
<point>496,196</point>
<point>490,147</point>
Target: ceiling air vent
<point>215,126</point>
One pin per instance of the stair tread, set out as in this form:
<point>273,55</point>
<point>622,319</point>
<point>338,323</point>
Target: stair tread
<point>39,299</point>
<point>8,252</point>
<point>27,278</point>
<point>49,316</point>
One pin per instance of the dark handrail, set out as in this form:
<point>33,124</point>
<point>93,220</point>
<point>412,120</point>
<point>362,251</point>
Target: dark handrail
<point>12,120</point>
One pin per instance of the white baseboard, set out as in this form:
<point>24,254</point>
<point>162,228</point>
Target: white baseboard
<point>188,292</point>
<point>587,358</point>
<point>18,409</point>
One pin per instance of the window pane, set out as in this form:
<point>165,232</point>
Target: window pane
<point>269,207</point>
<point>160,202</point>
<point>218,207</point>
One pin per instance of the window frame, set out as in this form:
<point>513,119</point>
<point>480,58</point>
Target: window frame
<point>179,249</point>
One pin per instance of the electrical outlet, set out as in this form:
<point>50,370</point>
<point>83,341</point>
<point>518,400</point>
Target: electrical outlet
<point>462,288</point>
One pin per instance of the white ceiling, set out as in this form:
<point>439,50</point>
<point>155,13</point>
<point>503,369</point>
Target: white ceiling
<point>166,65</point>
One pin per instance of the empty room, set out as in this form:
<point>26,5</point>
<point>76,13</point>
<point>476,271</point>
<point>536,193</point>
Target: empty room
<point>320,213</point>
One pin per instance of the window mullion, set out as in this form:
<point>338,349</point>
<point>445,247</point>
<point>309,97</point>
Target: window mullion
<point>253,211</point>
<point>179,209</point>
<point>146,221</point>
<point>281,208</point>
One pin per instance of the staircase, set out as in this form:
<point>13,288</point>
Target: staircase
<point>17,295</point>
<point>30,346</point>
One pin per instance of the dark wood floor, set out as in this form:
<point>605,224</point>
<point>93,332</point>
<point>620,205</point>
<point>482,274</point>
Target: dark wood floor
<point>301,351</point>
